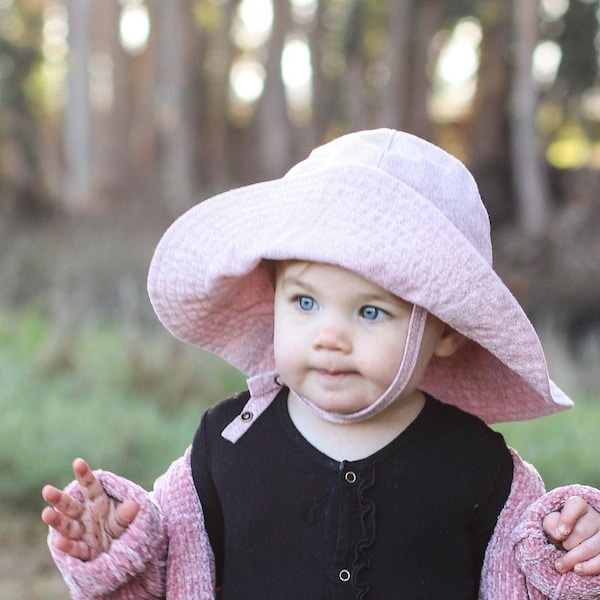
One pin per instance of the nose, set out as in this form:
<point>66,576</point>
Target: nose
<point>332,337</point>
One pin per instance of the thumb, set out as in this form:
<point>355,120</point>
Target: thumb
<point>553,529</point>
<point>121,517</point>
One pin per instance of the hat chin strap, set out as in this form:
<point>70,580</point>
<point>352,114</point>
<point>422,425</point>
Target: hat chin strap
<point>416,327</point>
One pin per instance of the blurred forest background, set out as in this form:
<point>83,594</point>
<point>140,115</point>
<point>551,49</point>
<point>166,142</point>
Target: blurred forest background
<point>117,115</point>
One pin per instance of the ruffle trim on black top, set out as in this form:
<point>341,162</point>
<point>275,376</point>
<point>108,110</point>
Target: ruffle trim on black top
<point>362,559</point>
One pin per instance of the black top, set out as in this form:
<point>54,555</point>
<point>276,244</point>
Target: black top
<point>411,521</point>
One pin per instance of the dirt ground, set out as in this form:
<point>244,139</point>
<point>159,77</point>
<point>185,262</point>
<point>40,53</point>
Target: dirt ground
<point>26,569</point>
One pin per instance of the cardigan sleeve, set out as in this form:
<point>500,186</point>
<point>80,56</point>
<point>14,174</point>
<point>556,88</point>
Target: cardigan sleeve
<point>190,567</point>
<point>501,576</point>
<point>163,553</point>
<point>519,561</point>
<point>131,569</point>
<point>536,556</point>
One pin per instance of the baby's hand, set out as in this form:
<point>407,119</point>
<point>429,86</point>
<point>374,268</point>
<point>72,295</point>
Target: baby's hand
<point>86,528</point>
<point>576,528</point>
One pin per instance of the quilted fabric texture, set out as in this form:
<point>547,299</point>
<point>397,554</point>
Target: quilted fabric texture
<point>389,206</point>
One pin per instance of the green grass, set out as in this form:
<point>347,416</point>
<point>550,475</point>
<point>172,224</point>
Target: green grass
<point>563,447</point>
<point>126,405</point>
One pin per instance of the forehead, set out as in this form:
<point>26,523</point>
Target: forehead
<point>300,270</point>
<point>330,276</point>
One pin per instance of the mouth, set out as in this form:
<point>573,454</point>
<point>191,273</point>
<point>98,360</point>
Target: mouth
<point>334,373</point>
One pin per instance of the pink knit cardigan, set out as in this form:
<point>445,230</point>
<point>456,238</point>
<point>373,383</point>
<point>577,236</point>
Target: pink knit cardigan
<point>165,552</point>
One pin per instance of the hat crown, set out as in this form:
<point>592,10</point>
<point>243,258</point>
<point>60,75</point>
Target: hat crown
<point>427,170</point>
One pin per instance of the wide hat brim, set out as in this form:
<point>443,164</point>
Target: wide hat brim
<point>208,288</point>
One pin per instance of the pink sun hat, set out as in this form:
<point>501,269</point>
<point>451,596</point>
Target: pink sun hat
<point>389,206</point>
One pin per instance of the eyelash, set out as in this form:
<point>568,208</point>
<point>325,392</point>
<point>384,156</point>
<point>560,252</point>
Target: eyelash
<point>379,313</point>
<point>300,302</point>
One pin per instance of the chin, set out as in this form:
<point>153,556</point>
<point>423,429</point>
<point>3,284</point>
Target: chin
<point>339,406</point>
<point>340,401</point>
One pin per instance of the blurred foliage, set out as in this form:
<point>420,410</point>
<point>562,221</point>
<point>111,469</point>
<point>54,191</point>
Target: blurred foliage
<point>577,36</point>
<point>563,447</point>
<point>128,406</point>
<point>20,53</point>
<point>21,185</point>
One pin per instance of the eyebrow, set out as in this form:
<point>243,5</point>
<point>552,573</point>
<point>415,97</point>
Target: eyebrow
<point>385,296</point>
<point>290,280</point>
<point>366,297</point>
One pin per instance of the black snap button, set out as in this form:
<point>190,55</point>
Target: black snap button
<point>246,416</point>
<point>344,575</point>
<point>350,477</point>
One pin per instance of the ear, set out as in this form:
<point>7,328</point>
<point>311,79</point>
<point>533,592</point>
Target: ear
<point>448,342</point>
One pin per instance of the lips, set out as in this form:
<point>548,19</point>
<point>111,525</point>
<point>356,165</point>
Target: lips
<point>334,373</point>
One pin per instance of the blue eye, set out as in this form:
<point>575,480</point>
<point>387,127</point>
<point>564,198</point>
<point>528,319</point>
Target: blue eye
<point>372,313</point>
<point>306,303</point>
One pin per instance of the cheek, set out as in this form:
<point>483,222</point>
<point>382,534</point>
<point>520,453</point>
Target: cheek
<point>382,360</point>
<point>284,342</point>
<point>388,366</point>
<point>286,361</point>
<point>279,348</point>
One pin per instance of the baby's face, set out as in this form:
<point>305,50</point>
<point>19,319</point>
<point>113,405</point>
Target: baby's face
<point>339,338</point>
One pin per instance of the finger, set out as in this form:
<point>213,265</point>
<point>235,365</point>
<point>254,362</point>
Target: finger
<point>68,528</point>
<point>76,548</point>
<point>584,531</point>
<point>90,486</point>
<point>550,525</point>
<point>586,552</point>
<point>588,567</point>
<point>51,517</point>
<point>574,508</point>
<point>67,505</point>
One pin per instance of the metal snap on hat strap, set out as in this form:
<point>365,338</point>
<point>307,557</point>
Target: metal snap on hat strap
<point>263,388</point>
<point>416,327</point>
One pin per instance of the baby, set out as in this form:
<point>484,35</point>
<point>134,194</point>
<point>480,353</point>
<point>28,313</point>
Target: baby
<point>357,293</point>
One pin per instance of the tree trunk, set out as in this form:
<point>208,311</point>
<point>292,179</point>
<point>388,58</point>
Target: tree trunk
<point>273,127</point>
<point>354,91</point>
<point>211,84</point>
<point>428,16</point>
<point>321,90</point>
<point>531,186</point>
<point>310,134</point>
<point>486,131</point>
<point>111,100</point>
<point>145,163</point>
<point>397,57</point>
<point>173,112</point>
<point>77,115</point>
